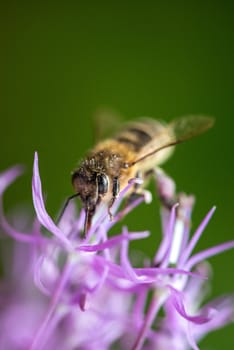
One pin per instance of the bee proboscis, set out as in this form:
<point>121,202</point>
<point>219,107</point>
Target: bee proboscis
<point>138,148</point>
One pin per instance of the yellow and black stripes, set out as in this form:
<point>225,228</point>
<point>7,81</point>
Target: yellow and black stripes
<point>135,136</point>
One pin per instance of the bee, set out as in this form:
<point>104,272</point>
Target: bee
<point>135,150</point>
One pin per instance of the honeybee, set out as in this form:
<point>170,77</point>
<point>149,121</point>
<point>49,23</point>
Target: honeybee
<point>135,150</point>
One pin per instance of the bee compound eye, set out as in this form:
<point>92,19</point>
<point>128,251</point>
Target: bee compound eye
<point>102,182</point>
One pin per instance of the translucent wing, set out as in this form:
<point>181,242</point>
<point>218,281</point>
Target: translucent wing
<point>187,127</point>
<point>106,121</point>
<point>181,130</point>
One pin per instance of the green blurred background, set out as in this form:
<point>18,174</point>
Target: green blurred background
<point>61,62</point>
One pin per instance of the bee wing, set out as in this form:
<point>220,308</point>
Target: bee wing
<point>180,130</point>
<point>187,127</point>
<point>105,122</point>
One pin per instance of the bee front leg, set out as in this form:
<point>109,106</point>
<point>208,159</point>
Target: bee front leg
<point>136,190</point>
<point>139,191</point>
<point>115,192</point>
<point>166,189</point>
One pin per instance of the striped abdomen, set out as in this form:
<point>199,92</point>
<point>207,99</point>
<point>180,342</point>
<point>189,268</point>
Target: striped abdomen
<point>143,133</point>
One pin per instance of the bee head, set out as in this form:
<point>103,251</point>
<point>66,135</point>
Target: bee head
<point>91,186</point>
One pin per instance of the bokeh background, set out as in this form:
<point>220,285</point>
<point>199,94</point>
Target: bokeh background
<point>60,62</point>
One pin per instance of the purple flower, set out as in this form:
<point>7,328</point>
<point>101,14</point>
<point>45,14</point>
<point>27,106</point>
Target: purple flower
<point>64,292</point>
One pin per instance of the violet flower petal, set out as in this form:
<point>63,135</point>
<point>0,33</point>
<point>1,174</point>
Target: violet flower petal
<point>177,301</point>
<point>6,178</point>
<point>207,253</point>
<point>188,250</point>
<point>163,253</point>
<point>39,206</point>
<point>9,176</point>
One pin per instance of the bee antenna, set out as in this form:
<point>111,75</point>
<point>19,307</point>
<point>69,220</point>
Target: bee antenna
<point>65,207</point>
<point>173,143</point>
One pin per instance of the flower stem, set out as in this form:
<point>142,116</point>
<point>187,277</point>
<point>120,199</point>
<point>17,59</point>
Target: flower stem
<point>40,335</point>
<point>156,303</point>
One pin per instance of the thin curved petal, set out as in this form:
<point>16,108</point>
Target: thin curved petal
<point>177,301</point>
<point>9,176</point>
<point>39,206</point>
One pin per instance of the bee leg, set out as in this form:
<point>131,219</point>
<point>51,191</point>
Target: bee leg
<point>65,207</point>
<point>138,191</point>
<point>115,192</point>
<point>169,198</point>
<point>165,188</point>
